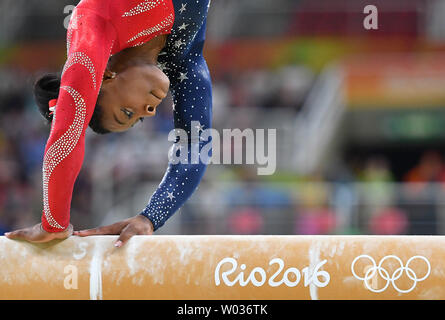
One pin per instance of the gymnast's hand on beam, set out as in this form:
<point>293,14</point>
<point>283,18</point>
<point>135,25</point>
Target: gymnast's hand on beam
<point>138,225</point>
<point>37,234</point>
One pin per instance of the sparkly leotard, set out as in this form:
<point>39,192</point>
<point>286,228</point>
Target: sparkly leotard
<point>97,30</point>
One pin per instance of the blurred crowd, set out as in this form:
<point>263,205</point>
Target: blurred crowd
<point>365,199</point>
<point>372,195</point>
<point>23,134</point>
<point>362,197</point>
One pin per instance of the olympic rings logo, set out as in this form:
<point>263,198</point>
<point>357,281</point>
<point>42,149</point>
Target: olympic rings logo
<point>371,273</point>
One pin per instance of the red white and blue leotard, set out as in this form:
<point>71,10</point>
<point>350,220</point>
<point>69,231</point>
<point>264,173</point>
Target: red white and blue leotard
<point>98,29</point>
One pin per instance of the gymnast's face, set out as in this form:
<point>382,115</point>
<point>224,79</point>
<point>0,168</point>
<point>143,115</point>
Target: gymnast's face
<point>131,96</point>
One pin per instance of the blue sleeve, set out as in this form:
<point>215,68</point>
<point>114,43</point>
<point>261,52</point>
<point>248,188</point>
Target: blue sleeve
<point>190,85</point>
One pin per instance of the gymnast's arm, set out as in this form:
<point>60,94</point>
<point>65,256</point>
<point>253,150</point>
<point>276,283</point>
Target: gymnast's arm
<point>89,42</point>
<point>192,95</point>
<point>193,102</point>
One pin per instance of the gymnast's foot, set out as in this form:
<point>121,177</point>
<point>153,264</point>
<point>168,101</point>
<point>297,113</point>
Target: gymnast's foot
<point>36,234</point>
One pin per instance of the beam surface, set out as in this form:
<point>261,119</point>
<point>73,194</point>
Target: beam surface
<point>225,267</point>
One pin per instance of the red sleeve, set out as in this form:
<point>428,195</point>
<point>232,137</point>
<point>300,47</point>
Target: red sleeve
<point>89,40</point>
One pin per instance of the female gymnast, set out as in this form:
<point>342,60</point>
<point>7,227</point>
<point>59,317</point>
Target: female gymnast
<point>123,57</point>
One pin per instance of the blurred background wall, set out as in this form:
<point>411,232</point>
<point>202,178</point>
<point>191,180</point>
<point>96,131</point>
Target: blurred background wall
<point>360,119</point>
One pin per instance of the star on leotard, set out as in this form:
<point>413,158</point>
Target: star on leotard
<point>182,8</point>
<point>183,26</point>
<point>163,66</point>
<point>182,76</point>
<point>170,195</point>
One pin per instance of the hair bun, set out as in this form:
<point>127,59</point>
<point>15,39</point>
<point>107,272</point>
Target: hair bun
<point>45,89</point>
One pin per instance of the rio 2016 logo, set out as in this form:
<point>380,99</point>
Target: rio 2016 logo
<point>258,276</point>
<point>373,271</point>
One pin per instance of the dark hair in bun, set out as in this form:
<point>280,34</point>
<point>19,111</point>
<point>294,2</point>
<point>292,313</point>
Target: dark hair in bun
<point>47,88</point>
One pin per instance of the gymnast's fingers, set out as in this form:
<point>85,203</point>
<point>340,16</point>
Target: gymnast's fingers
<point>112,229</point>
<point>125,235</point>
<point>137,225</point>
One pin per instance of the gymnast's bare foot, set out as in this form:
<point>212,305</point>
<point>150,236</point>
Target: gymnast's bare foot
<point>36,234</point>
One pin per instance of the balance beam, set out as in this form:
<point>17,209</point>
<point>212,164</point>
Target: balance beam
<point>225,267</point>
